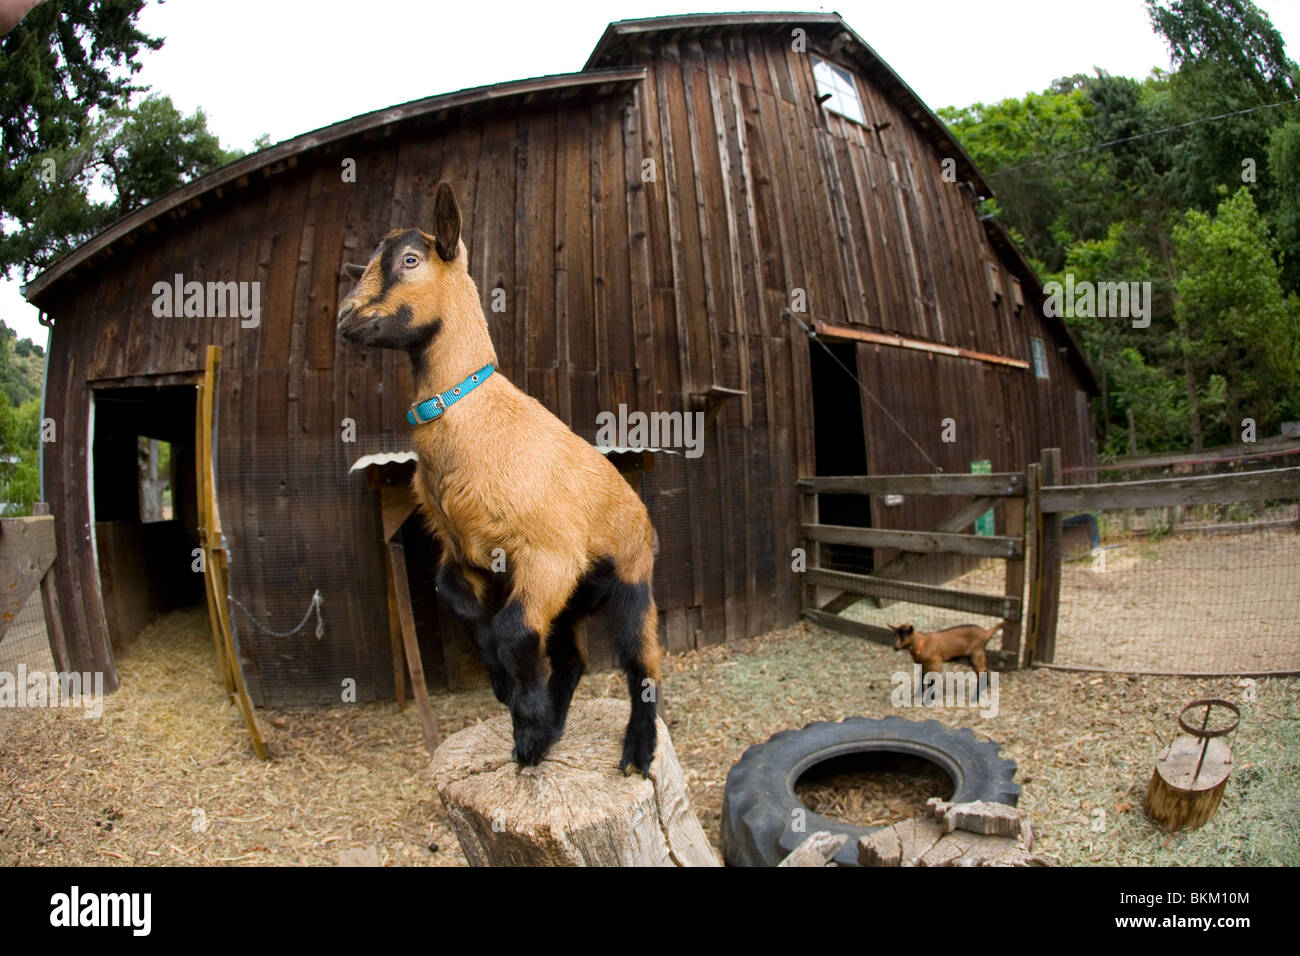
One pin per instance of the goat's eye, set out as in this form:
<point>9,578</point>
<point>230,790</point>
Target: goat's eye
<point>410,260</point>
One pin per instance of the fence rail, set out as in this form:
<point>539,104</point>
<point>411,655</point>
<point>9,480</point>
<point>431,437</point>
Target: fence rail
<point>918,542</point>
<point>1035,501</point>
<point>1003,484</point>
<point>1167,492</point>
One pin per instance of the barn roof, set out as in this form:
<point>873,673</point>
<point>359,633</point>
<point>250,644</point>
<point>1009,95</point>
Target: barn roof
<point>603,75</point>
<point>276,159</point>
<point>623,36</point>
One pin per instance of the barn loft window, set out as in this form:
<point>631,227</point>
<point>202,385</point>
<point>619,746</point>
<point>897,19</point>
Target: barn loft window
<point>994,276</point>
<point>837,91</point>
<point>1040,357</point>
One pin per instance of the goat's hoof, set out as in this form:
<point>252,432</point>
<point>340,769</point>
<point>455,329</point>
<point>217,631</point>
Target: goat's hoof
<point>531,744</point>
<point>638,753</point>
<point>631,769</point>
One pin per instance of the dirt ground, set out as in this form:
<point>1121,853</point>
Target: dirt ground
<point>167,776</point>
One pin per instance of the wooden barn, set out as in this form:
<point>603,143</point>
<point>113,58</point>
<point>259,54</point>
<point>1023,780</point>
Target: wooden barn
<point>656,231</point>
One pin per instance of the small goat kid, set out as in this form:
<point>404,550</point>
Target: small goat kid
<point>499,471</point>
<point>931,650</point>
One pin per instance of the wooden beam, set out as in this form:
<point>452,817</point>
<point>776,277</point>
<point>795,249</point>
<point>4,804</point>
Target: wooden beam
<point>414,663</point>
<point>395,638</point>
<point>202,454</point>
<point>1003,484</point>
<point>53,610</point>
<point>1049,599</point>
<point>396,504</point>
<point>1015,579</point>
<point>27,549</point>
<point>925,542</point>
<point>215,574</point>
<point>1034,534</point>
<point>833,622</point>
<point>825,331</point>
<point>1265,447</point>
<point>992,605</point>
<point>1167,492</point>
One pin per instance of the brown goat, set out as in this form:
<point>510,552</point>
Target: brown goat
<point>932,649</point>
<point>500,476</point>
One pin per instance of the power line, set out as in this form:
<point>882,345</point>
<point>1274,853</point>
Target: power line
<point>1154,132</point>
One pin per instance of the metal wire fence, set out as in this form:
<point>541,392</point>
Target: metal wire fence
<point>1188,589</point>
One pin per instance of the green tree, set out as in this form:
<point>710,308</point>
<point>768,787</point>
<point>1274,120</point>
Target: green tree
<point>1238,335</point>
<point>1233,33</point>
<point>19,442</point>
<point>1284,193</point>
<point>79,131</point>
<point>1002,138</point>
<point>64,64</point>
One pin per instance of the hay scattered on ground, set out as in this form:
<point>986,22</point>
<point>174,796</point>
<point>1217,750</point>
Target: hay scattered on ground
<point>872,790</point>
<point>167,775</point>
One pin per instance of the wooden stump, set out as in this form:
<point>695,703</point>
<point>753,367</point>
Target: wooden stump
<point>1179,798</point>
<point>574,808</point>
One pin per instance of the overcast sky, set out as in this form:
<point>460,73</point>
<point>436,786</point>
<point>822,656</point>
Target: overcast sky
<point>283,68</point>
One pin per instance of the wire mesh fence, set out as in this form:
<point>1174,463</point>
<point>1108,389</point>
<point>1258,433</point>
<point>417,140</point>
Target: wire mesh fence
<point>1195,589</point>
<point>26,641</point>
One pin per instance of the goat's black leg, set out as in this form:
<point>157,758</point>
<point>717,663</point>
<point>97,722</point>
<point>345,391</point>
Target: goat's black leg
<point>632,616</point>
<point>567,666</point>
<point>456,591</point>
<point>530,704</point>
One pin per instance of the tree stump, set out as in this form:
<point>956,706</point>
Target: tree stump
<point>1192,772</point>
<point>1179,798</point>
<point>574,808</point>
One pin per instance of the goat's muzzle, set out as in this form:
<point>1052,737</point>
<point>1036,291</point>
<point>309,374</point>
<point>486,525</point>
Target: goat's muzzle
<point>350,318</point>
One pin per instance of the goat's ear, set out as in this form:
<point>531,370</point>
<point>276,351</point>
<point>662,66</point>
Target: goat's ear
<point>353,270</point>
<point>446,222</point>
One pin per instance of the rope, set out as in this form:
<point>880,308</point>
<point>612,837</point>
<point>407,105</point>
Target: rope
<point>812,334</point>
<point>315,605</point>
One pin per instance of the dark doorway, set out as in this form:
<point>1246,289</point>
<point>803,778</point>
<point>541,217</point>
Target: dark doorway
<point>145,505</point>
<point>841,448</point>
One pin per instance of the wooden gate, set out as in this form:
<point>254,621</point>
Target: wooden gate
<point>1006,489</point>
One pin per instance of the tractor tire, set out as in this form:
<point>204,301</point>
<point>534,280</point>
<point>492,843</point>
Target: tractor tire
<point>759,806</point>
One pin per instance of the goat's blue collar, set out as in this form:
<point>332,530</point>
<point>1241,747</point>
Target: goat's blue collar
<point>432,408</point>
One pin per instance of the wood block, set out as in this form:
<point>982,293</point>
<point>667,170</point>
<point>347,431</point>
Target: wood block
<point>574,808</point>
<point>979,816</point>
<point>900,845</point>
<point>817,850</point>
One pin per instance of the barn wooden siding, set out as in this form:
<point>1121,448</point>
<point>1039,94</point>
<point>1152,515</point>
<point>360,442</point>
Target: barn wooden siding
<point>763,192</point>
<point>617,291</point>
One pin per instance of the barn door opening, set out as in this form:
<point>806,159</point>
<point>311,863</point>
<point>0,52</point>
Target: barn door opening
<point>145,506</point>
<point>841,448</point>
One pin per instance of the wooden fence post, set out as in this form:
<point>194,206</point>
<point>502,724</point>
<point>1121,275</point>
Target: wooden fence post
<point>1015,579</point>
<point>53,612</point>
<point>1049,601</point>
<point>1034,541</point>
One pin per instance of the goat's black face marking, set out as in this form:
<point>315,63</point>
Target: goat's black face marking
<point>390,263</point>
<point>396,331</point>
